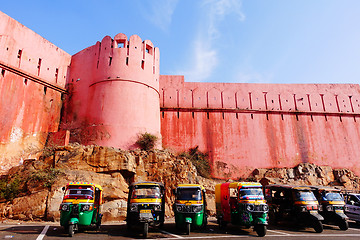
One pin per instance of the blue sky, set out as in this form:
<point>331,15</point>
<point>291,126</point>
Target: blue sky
<point>251,41</point>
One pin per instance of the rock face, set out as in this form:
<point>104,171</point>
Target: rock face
<point>111,168</point>
<point>39,182</point>
<point>308,174</point>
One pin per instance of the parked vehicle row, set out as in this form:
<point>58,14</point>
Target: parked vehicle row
<point>246,204</point>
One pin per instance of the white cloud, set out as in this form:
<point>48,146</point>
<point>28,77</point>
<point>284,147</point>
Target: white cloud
<point>204,48</point>
<point>205,61</point>
<point>160,12</point>
<point>217,10</point>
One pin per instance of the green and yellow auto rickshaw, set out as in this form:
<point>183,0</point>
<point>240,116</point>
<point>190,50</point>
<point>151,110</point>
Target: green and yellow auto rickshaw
<point>332,205</point>
<point>146,205</point>
<point>190,207</point>
<point>80,206</point>
<point>242,204</point>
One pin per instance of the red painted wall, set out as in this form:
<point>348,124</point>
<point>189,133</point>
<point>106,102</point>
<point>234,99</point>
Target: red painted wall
<point>32,77</point>
<point>114,92</point>
<point>248,126</point>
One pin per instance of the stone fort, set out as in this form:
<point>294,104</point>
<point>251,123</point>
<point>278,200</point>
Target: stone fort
<point>109,93</point>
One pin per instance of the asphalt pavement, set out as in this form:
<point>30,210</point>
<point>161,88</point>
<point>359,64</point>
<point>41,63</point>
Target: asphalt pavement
<point>118,230</point>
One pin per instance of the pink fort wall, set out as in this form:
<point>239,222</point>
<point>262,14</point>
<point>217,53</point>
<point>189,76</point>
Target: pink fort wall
<point>114,92</point>
<point>247,126</point>
<point>32,80</point>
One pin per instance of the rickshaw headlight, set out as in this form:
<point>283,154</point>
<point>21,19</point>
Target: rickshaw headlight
<point>157,207</point>
<point>265,208</point>
<point>250,207</point>
<point>178,208</point>
<point>329,208</point>
<point>197,208</point>
<point>65,207</point>
<point>86,207</point>
<point>133,208</point>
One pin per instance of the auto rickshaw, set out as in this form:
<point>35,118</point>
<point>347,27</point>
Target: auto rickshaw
<point>241,203</point>
<point>294,203</point>
<point>332,206</point>
<point>190,207</point>
<point>80,206</point>
<point>146,205</point>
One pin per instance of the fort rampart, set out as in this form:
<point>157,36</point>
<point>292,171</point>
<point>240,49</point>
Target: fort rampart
<point>112,91</point>
<point>246,126</point>
<point>32,80</point>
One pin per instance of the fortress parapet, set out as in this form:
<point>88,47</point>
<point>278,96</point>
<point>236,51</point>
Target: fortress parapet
<point>114,91</point>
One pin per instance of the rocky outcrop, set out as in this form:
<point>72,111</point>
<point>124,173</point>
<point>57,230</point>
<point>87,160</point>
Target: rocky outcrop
<point>38,184</point>
<point>111,168</point>
<point>308,174</point>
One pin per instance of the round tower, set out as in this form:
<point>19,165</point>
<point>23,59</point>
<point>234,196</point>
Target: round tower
<point>114,92</point>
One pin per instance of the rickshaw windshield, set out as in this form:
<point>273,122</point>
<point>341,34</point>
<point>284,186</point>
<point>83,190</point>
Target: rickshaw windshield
<point>79,192</point>
<point>244,192</point>
<point>188,194</point>
<point>146,191</point>
<point>305,196</point>
<point>332,196</point>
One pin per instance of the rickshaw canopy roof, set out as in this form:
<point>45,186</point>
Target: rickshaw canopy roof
<point>147,183</point>
<point>190,186</point>
<point>244,184</point>
<point>325,188</point>
<point>84,184</point>
<point>287,186</point>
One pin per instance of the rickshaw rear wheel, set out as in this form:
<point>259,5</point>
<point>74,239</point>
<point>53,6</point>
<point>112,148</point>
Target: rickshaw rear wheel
<point>260,229</point>
<point>188,226</point>
<point>146,230</point>
<point>71,230</point>
<point>344,225</point>
<point>318,227</point>
<point>222,224</point>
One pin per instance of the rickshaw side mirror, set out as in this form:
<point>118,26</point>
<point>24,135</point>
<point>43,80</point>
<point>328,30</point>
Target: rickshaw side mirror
<point>63,188</point>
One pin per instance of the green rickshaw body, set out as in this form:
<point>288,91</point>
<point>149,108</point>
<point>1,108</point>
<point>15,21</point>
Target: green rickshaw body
<point>146,205</point>
<point>190,206</point>
<point>241,204</point>
<point>80,206</point>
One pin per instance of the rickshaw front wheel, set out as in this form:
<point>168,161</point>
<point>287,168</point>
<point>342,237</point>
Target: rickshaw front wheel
<point>188,226</point>
<point>146,230</point>
<point>260,229</point>
<point>71,230</point>
<point>318,227</point>
<point>343,225</point>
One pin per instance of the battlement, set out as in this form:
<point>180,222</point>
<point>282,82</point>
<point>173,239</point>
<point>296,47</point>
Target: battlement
<point>280,98</point>
<point>118,59</point>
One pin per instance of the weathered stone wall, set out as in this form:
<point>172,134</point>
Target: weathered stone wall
<point>32,79</point>
<point>245,126</point>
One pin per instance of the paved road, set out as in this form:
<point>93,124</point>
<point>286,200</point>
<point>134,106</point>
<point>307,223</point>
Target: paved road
<point>51,231</point>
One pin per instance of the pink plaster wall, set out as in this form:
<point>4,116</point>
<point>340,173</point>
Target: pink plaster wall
<point>114,92</point>
<point>28,109</point>
<point>248,126</point>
